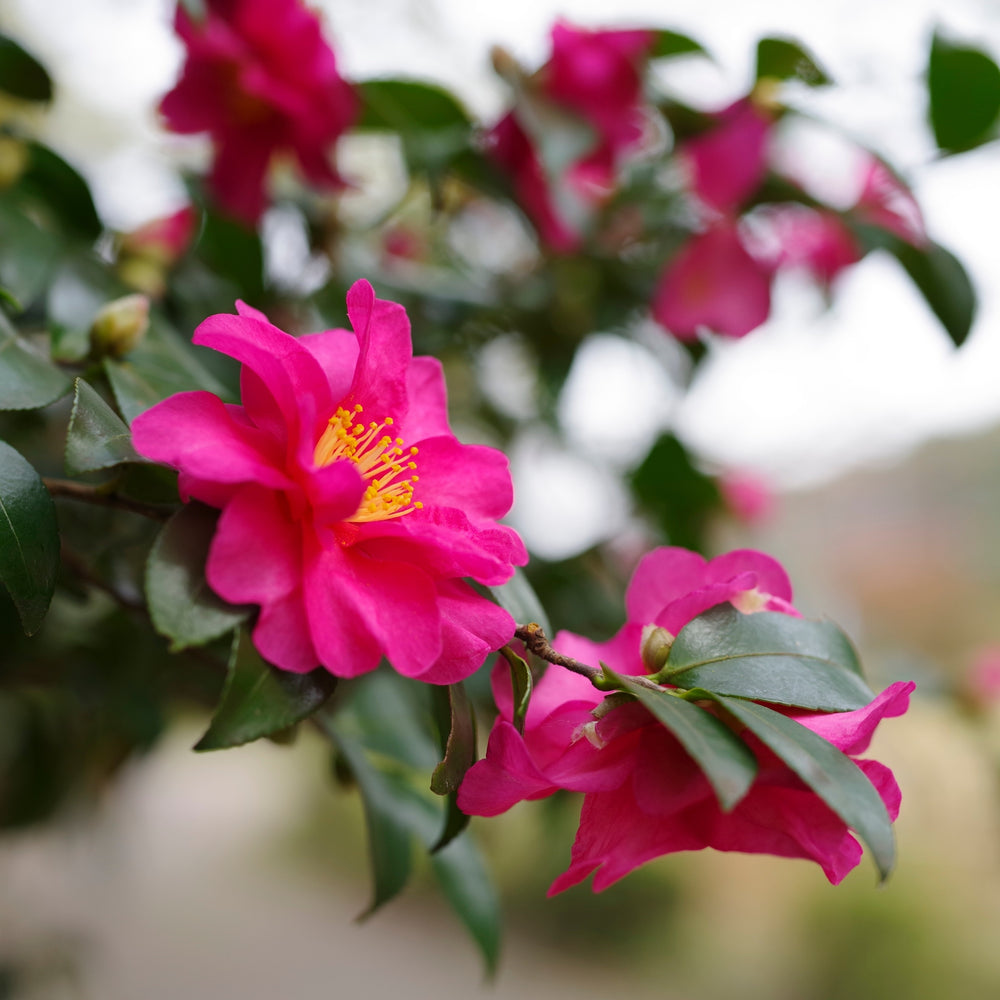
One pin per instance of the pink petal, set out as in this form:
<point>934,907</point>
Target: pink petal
<point>428,413</point>
<point>282,635</point>
<point>335,492</point>
<point>337,354</point>
<point>771,576</point>
<point>852,731</point>
<point>662,576</point>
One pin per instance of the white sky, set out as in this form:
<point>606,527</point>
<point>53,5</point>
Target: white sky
<point>800,399</point>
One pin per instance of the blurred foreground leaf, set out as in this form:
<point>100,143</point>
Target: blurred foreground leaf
<point>786,59</point>
<point>963,85</point>
<point>29,539</point>
<point>21,74</point>
<point>260,700</point>
<point>27,380</point>
<point>768,656</point>
<point>97,436</point>
<point>944,283</point>
<point>182,605</point>
<point>672,43</point>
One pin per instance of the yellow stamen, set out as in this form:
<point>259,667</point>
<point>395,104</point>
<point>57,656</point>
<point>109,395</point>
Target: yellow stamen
<point>377,456</point>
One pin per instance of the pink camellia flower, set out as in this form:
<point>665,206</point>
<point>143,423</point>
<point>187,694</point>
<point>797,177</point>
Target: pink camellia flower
<point>165,239</point>
<point>594,75</point>
<point>747,495</point>
<point>713,282</point>
<point>644,796</point>
<point>261,79</point>
<point>886,202</point>
<point>350,513</point>
<point>727,163</point>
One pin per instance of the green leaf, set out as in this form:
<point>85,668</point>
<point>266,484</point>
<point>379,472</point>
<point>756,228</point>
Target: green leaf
<point>97,436</point>
<point>672,43</point>
<point>727,761</point>
<point>786,59</point>
<point>832,775</point>
<point>160,366</point>
<point>964,89</point>
<point>21,74</point>
<point>408,106</point>
<point>944,283</point>
<point>181,604</point>
<point>521,685</point>
<point>457,727</point>
<point>28,252</point>
<point>55,183</point>
<point>677,494</point>
<point>518,598</point>
<point>234,251</point>
<point>396,812</point>
<point>27,380</point>
<point>768,656</point>
<point>260,700</point>
<point>29,539</point>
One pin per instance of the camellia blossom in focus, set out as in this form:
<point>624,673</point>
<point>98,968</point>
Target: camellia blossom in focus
<point>350,513</point>
<point>644,796</point>
<point>261,79</point>
<point>596,76</point>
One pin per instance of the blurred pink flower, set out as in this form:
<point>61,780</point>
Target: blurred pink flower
<point>164,239</point>
<point>261,79</point>
<point>747,495</point>
<point>983,681</point>
<point>727,163</point>
<point>797,236</point>
<point>643,794</point>
<point>886,202</point>
<point>596,76</point>
<point>713,282</point>
<point>325,522</point>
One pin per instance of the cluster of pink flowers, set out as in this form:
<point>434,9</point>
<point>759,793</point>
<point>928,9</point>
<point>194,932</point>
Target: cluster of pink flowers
<point>594,76</point>
<point>350,513</point>
<point>260,78</point>
<point>721,278</point>
<point>644,796</point>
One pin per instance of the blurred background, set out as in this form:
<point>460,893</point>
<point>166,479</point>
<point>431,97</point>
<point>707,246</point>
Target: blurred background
<point>870,443</point>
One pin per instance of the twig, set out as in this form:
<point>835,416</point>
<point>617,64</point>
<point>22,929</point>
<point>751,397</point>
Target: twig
<point>97,495</point>
<point>533,637</point>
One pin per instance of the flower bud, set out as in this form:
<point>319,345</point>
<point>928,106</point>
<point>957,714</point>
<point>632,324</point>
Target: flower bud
<point>119,325</point>
<point>656,643</point>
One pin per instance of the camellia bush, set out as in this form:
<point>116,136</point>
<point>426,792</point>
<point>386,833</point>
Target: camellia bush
<point>227,489</point>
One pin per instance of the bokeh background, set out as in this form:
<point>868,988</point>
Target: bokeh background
<point>240,874</point>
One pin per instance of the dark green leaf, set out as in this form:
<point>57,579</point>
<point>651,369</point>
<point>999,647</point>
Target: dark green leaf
<point>28,253</point>
<point>181,604</point>
<point>260,700</point>
<point>672,43</point>
<point>768,656</point>
<point>21,74</point>
<point>724,757</point>
<point>457,726</point>
<point>407,106</point>
<point>785,59</point>
<point>964,90</point>
<point>234,251</point>
<point>29,539</point>
<point>677,494</point>
<point>51,180</point>
<point>97,436</point>
<point>27,380</point>
<point>944,283</point>
<point>518,598</point>
<point>521,684</point>
<point>833,776</point>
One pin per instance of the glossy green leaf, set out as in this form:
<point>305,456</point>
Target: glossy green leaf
<point>59,186</point>
<point>408,105</point>
<point>521,685</point>
<point>832,775</point>
<point>21,74</point>
<point>29,539</point>
<point>181,604</point>
<point>727,761</point>
<point>457,726</point>
<point>768,656</point>
<point>160,366</point>
<point>964,89</point>
<point>97,438</point>
<point>518,598</point>
<point>944,283</point>
<point>27,379</point>
<point>259,699</point>
<point>677,494</point>
<point>786,59</point>
<point>672,43</point>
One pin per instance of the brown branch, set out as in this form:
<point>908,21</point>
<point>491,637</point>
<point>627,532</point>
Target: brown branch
<point>533,637</point>
<point>69,490</point>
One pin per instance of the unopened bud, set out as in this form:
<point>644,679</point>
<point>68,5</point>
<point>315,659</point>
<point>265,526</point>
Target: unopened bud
<point>656,643</point>
<point>119,325</point>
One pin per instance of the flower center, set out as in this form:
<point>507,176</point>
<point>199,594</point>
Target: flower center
<point>384,462</point>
